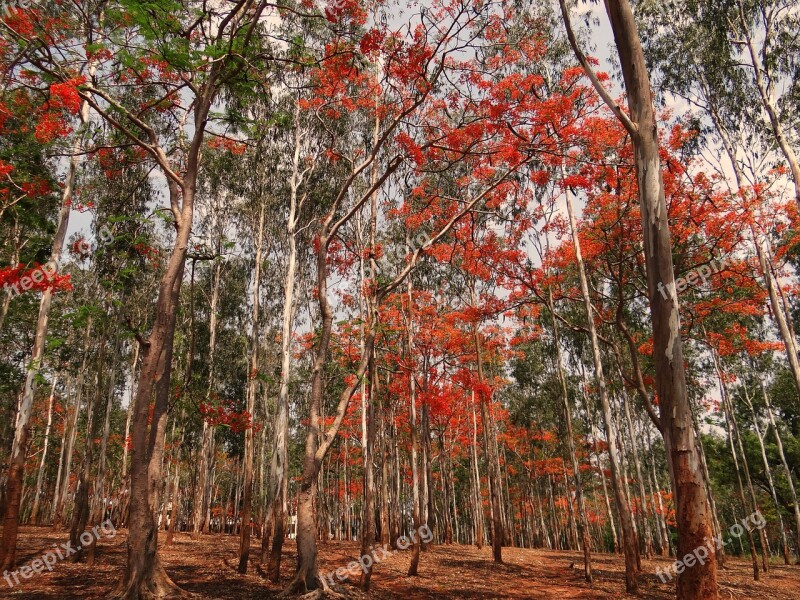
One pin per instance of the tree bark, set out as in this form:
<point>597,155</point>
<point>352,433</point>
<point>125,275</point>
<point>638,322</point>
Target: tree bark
<point>202,497</point>
<point>768,472</point>
<point>70,390</point>
<point>131,383</point>
<point>630,546</point>
<point>491,458</point>
<point>81,510</point>
<point>19,450</point>
<point>691,503</point>
<point>648,533</point>
<point>58,508</point>
<point>145,577</point>
<point>732,442</point>
<point>34,518</point>
<point>413,568</point>
<point>477,497</point>
<point>786,469</point>
<point>583,521</point>
<point>252,390</point>
<point>280,457</point>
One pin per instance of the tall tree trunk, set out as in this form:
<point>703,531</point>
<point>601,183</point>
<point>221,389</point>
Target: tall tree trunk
<point>19,450</point>
<point>186,391</point>
<point>80,512</point>
<point>370,300</point>
<point>318,440</point>
<point>131,383</point>
<point>397,495</point>
<point>145,576</point>
<point>58,508</point>
<point>252,390</point>
<point>280,457</point>
<point>491,457</point>
<point>34,519</point>
<point>590,420</point>
<point>413,427</point>
<point>630,546</point>
<point>583,520</point>
<point>574,542</point>
<point>447,479</point>
<point>736,437</point>
<point>715,522</point>
<point>648,533</point>
<point>626,476</point>
<point>691,503</point>
<point>770,480</point>
<point>742,498</point>
<point>786,469</point>
<point>428,510</point>
<point>384,483</point>
<point>98,506</point>
<point>477,497</point>
<point>202,497</point>
<point>368,519</point>
<point>70,390</point>
<point>656,491</point>
<point>348,523</point>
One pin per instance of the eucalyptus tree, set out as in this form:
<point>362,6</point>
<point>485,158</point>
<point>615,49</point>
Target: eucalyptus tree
<point>180,54</point>
<point>675,412</point>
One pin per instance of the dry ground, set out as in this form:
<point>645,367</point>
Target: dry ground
<point>207,568</point>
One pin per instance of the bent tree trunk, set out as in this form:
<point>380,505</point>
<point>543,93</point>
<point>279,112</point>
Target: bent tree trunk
<point>318,439</point>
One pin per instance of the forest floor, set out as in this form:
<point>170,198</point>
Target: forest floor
<point>208,568</point>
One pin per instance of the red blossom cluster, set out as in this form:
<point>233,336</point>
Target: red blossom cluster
<point>151,254</point>
<point>37,278</point>
<point>225,414</point>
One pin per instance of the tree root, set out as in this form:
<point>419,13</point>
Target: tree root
<point>324,591</point>
<point>159,587</point>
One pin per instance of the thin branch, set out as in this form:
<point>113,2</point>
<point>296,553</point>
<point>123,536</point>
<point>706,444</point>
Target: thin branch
<point>632,128</point>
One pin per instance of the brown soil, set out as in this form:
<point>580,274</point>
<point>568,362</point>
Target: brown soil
<point>208,568</point>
